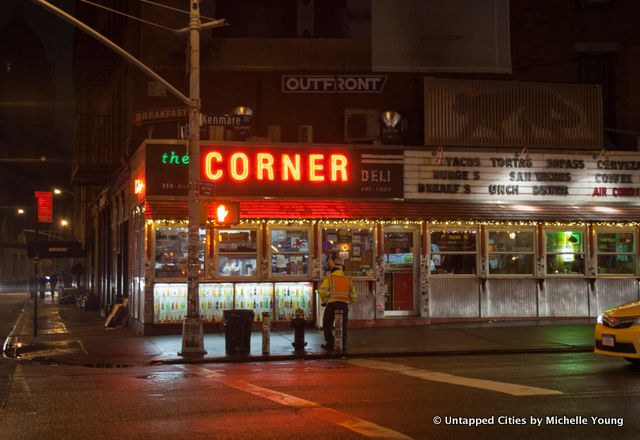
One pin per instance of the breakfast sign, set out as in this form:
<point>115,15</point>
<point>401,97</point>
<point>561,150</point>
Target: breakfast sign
<point>534,177</point>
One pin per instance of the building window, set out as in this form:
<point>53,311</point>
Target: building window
<point>237,252</point>
<point>511,252</point>
<point>353,245</point>
<point>565,250</point>
<point>172,251</point>
<point>616,252</point>
<point>289,252</point>
<point>453,252</point>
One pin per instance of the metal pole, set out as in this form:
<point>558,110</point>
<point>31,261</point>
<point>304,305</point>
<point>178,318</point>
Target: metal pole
<point>192,333</point>
<point>35,270</point>
<point>266,332</point>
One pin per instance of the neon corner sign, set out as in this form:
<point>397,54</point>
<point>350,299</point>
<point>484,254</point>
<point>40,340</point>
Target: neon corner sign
<point>240,166</point>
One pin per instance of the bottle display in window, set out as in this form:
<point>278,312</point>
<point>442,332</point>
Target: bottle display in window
<point>292,296</point>
<point>170,302</point>
<point>255,296</point>
<point>215,298</point>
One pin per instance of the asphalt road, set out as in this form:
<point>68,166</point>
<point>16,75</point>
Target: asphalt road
<point>394,398</point>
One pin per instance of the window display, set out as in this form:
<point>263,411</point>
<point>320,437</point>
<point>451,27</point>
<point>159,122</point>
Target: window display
<point>453,252</point>
<point>255,296</point>
<point>353,246</point>
<point>616,253</point>
<point>237,252</point>
<point>511,252</point>
<point>172,249</point>
<point>289,252</point>
<point>565,252</point>
<point>215,298</point>
<point>292,296</point>
<point>170,302</point>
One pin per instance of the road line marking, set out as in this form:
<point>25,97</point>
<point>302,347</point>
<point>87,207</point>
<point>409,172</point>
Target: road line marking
<point>352,423</point>
<point>501,387</point>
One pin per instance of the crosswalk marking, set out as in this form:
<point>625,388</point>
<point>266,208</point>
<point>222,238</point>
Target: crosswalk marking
<point>501,387</point>
<point>355,424</point>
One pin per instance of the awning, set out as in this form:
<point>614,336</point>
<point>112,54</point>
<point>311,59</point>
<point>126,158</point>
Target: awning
<point>388,210</point>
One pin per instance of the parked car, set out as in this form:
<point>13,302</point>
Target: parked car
<point>617,332</point>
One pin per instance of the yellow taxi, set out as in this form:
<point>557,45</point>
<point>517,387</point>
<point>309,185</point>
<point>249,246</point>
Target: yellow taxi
<point>617,332</point>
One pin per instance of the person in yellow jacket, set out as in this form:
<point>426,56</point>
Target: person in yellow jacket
<point>336,293</point>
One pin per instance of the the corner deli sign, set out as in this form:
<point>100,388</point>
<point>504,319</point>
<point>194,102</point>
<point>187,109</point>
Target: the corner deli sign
<point>507,177</point>
<point>250,171</point>
<point>333,83</point>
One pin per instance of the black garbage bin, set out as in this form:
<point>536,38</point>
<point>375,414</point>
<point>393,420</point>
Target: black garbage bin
<point>237,331</point>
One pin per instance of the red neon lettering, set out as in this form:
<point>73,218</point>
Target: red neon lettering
<point>241,158</point>
<point>291,169</point>
<point>265,163</point>
<point>339,166</point>
<point>208,166</point>
<point>315,168</point>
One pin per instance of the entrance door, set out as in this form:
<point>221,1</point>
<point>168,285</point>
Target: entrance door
<point>400,263</point>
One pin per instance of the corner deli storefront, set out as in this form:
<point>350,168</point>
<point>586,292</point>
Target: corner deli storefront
<point>462,235</point>
<point>298,206</point>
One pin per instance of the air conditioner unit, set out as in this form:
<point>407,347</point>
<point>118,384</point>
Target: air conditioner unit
<point>361,125</point>
<point>305,134</point>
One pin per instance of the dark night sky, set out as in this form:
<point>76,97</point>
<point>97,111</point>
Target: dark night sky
<point>57,36</point>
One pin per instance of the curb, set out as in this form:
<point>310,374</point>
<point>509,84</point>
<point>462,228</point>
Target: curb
<point>302,356</point>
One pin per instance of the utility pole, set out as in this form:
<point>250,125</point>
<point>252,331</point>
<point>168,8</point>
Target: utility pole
<point>192,333</point>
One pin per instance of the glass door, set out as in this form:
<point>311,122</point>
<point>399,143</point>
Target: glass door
<point>400,261</point>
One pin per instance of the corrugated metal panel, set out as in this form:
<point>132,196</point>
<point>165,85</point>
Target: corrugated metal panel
<point>509,298</point>
<point>564,298</point>
<point>512,114</point>
<point>364,306</point>
<point>613,292</point>
<point>454,298</point>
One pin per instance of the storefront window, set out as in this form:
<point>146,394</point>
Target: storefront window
<point>398,250</point>
<point>353,246</point>
<point>511,252</point>
<point>616,253</point>
<point>172,251</point>
<point>237,252</point>
<point>565,252</point>
<point>453,252</point>
<point>289,252</point>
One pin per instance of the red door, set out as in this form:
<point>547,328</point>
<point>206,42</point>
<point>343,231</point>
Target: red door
<point>403,291</point>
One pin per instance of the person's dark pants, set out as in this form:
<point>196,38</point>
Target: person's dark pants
<point>327,322</point>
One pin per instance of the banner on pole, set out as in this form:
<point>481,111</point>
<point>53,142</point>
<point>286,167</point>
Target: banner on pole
<point>45,206</point>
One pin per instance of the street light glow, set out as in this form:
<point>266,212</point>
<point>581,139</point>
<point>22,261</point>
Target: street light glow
<point>57,191</point>
<point>64,222</point>
<point>20,211</point>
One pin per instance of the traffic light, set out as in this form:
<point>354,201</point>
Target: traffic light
<point>227,213</point>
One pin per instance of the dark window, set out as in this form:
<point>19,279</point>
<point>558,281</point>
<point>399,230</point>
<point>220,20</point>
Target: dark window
<point>599,68</point>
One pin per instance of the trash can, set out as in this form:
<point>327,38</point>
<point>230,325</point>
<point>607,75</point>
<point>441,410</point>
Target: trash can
<point>237,331</point>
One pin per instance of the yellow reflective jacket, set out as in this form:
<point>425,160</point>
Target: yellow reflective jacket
<point>337,287</point>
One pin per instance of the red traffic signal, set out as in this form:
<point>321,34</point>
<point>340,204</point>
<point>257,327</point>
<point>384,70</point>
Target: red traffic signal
<point>227,213</point>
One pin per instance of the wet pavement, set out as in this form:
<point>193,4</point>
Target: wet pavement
<point>68,335</point>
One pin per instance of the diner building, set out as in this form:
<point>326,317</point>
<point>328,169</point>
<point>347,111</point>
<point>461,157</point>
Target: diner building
<point>427,235</point>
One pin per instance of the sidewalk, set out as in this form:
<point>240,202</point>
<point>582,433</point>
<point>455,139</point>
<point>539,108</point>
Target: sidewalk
<point>67,335</point>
